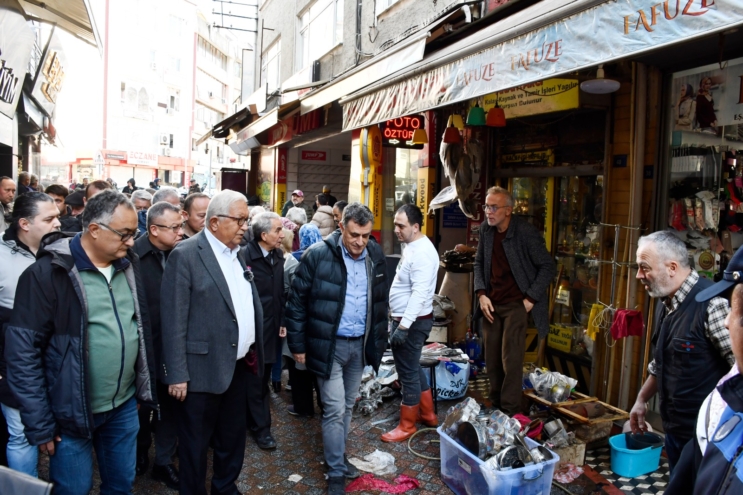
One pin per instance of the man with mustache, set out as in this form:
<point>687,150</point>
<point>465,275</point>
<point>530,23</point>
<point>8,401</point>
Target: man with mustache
<point>692,348</point>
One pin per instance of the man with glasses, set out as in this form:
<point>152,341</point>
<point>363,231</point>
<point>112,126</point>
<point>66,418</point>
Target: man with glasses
<point>164,231</point>
<point>513,271</point>
<point>81,346</point>
<point>212,331</point>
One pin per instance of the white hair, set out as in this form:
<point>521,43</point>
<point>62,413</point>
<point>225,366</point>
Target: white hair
<point>256,210</point>
<point>221,203</point>
<point>668,247</point>
<point>164,194</point>
<point>297,215</point>
<point>141,194</point>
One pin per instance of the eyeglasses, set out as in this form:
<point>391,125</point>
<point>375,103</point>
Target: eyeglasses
<point>493,208</point>
<point>240,221</point>
<point>175,228</point>
<point>124,237</point>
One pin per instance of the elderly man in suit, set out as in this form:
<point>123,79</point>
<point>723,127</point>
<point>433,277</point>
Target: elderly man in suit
<point>212,331</point>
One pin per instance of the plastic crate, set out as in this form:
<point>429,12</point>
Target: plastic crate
<point>466,474</point>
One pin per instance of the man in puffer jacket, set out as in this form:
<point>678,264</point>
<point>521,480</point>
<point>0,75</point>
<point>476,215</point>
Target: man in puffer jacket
<point>323,217</point>
<point>336,320</point>
<point>81,349</point>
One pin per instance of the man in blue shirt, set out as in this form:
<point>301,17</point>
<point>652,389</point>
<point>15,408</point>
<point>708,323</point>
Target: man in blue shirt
<point>336,320</point>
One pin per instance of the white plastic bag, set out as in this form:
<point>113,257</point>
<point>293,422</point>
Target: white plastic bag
<point>452,380</point>
<point>378,462</point>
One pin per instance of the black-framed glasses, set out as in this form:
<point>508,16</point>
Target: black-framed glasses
<point>175,229</point>
<point>493,208</point>
<point>124,237</point>
<point>240,221</point>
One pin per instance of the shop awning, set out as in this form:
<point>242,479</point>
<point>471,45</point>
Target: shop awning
<point>545,40</point>
<point>247,138</point>
<point>399,56</point>
<point>74,16</point>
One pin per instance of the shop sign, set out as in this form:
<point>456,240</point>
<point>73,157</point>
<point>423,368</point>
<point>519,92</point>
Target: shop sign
<point>371,147</point>
<point>398,133</point>
<point>453,217</point>
<point>308,122</point>
<point>50,76</point>
<point>544,158</point>
<point>266,177</point>
<point>281,161</point>
<point>142,158</point>
<point>15,52</point>
<point>115,156</point>
<point>280,133</point>
<point>550,95</point>
<point>473,224</point>
<point>707,98</point>
<point>610,31</point>
<point>315,156</point>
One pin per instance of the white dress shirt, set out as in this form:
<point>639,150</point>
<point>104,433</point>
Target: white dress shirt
<point>411,294</point>
<point>240,292</point>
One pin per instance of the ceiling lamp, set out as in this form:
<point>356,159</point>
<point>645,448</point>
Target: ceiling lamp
<point>476,116</point>
<point>455,120</point>
<point>420,137</point>
<point>496,116</point>
<point>451,134</point>
<point>600,85</point>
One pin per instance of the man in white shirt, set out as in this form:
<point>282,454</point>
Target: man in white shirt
<point>411,309</point>
<point>212,330</point>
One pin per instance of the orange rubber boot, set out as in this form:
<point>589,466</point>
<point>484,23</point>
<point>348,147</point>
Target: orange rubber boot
<point>427,415</point>
<point>406,428</point>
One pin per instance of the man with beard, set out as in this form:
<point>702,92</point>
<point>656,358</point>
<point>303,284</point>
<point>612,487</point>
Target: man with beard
<point>692,346</point>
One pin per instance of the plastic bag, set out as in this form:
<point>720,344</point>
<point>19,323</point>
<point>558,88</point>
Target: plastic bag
<point>452,380</point>
<point>378,462</point>
<point>369,483</point>
<point>551,385</point>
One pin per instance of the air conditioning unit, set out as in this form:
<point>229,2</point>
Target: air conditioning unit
<point>168,151</point>
<point>164,139</point>
<point>153,66</point>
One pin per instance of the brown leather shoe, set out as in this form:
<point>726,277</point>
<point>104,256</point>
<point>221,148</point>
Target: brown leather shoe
<point>427,414</point>
<point>406,428</point>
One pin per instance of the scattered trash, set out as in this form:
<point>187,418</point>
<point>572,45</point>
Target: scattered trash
<point>294,478</point>
<point>378,462</point>
<point>368,482</point>
<point>372,391</point>
<point>551,385</point>
<point>567,473</point>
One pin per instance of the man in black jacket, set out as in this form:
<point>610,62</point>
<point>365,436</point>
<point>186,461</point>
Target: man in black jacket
<point>264,256</point>
<point>82,350</point>
<point>164,231</point>
<point>336,322</point>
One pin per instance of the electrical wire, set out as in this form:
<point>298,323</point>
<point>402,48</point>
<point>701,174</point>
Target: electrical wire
<point>422,456</point>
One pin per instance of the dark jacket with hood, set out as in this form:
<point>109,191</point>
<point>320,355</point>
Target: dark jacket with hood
<point>47,337</point>
<point>316,302</point>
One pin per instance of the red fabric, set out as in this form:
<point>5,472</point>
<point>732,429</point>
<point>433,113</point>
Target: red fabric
<point>533,433</point>
<point>627,322</point>
<point>369,482</point>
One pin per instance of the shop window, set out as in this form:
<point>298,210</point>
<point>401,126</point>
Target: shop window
<point>320,29</point>
<point>270,66</point>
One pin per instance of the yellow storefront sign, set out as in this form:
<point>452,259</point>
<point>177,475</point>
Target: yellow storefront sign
<point>560,338</point>
<point>280,195</point>
<point>550,95</point>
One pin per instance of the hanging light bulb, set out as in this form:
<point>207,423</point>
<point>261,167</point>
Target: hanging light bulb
<point>496,116</point>
<point>420,137</point>
<point>476,115</point>
<point>451,135</point>
<point>600,85</point>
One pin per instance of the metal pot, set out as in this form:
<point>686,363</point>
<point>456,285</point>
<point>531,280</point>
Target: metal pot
<point>474,437</point>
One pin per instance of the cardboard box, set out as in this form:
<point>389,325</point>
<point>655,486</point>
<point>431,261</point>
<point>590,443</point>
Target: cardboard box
<point>572,454</point>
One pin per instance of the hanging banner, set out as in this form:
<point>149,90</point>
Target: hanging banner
<point>709,99</point>
<point>550,95</point>
<point>607,32</point>
<point>16,44</point>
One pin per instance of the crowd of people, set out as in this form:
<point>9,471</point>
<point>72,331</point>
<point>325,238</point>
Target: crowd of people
<point>138,318</point>
<point>142,317</point>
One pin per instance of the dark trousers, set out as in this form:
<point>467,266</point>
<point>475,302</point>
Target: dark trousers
<point>164,429</point>
<point>258,402</point>
<point>303,383</point>
<point>674,445</point>
<point>504,341</point>
<point>221,418</point>
<point>407,361</point>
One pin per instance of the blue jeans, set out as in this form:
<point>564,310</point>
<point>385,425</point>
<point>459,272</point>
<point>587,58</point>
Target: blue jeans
<point>22,456</point>
<point>115,444</point>
<point>338,394</point>
<point>407,361</point>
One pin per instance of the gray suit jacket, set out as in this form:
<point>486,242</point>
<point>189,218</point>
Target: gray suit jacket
<point>199,325</point>
<point>532,266</point>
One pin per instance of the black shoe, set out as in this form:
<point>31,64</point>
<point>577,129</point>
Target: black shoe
<point>336,485</point>
<point>352,471</point>
<point>277,387</point>
<point>143,463</point>
<point>166,474</point>
<point>266,442</point>
<point>293,412</point>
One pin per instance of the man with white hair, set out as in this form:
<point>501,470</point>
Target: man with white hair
<point>142,201</point>
<point>692,346</point>
<point>212,331</point>
<point>169,194</point>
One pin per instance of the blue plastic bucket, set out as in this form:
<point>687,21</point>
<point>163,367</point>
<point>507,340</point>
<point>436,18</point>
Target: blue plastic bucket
<point>631,463</point>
